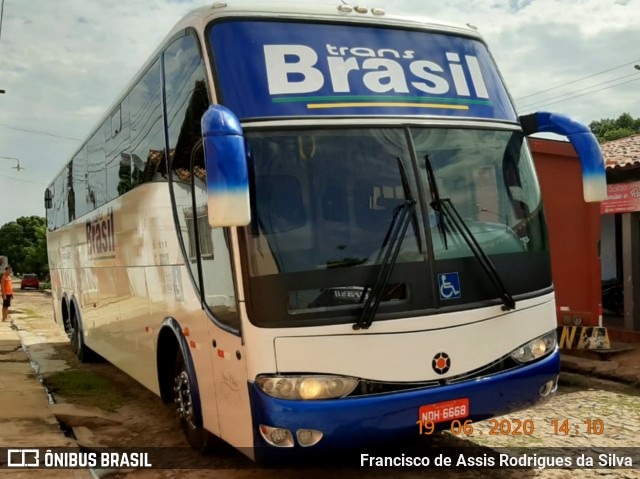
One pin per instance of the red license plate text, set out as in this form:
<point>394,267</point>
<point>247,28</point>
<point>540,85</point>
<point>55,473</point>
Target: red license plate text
<point>445,411</point>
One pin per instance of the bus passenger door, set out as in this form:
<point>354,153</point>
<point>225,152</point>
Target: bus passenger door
<point>227,353</point>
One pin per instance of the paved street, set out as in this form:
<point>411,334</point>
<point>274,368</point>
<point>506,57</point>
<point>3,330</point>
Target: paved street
<point>612,409</point>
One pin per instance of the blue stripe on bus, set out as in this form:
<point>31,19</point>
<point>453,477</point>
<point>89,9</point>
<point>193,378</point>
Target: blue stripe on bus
<point>387,417</point>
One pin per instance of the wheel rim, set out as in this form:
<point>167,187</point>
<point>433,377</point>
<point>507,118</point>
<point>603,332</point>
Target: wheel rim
<point>182,398</point>
<point>71,327</point>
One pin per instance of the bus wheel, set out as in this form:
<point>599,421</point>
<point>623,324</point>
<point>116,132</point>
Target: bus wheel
<point>197,437</point>
<point>82,351</point>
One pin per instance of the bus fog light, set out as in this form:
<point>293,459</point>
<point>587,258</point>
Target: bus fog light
<point>276,436</point>
<point>536,348</point>
<point>547,388</point>
<point>308,437</point>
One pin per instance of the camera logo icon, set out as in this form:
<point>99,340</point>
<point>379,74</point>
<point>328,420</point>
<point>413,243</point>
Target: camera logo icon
<point>23,458</point>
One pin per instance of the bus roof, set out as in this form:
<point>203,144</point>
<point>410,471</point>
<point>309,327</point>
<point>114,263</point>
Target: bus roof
<point>338,12</point>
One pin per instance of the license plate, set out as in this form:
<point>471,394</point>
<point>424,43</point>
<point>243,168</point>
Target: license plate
<point>445,411</point>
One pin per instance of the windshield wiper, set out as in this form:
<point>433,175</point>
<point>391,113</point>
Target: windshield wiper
<point>447,209</point>
<point>436,203</point>
<point>389,251</point>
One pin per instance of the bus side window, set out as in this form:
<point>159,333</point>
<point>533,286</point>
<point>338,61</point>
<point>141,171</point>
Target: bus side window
<point>118,156</point>
<point>80,183</point>
<point>96,178</point>
<point>147,139</point>
<point>186,101</point>
<point>71,194</point>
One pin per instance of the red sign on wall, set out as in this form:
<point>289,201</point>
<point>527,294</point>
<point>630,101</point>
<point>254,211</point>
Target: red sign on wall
<point>622,198</point>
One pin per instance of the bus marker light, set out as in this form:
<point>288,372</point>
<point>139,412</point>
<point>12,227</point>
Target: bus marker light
<point>224,354</point>
<point>185,331</point>
<point>192,344</point>
<point>345,9</point>
<point>308,437</point>
<point>378,11</point>
<point>361,9</point>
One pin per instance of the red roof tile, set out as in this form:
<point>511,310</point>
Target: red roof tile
<point>622,153</point>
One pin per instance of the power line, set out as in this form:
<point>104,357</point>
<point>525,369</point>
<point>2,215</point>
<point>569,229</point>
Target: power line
<point>37,132</point>
<point>575,81</point>
<point>24,181</point>
<point>582,94</point>
<point>537,102</point>
<point>1,15</point>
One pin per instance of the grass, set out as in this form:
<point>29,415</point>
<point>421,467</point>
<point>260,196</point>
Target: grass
<point>30,313</point>
<point>85,388</point>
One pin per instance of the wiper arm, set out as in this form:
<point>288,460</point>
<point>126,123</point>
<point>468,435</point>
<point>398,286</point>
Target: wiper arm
<point>395,235</point>
<point>391,245</point>
<point>436,202</point>
<point>409,197</point>
<point>446,207</point>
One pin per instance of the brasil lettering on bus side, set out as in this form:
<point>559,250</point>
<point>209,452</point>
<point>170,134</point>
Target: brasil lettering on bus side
<point>101,234</point>
<point>294,69</point>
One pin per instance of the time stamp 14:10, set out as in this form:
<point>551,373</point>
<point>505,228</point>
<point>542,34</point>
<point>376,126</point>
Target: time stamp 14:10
<point>514,427</point>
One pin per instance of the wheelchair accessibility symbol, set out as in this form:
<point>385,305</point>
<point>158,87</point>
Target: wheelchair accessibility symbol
<point>449,286</point>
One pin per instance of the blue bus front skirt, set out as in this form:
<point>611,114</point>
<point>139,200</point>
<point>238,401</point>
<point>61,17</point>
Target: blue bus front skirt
<point>375,419</point>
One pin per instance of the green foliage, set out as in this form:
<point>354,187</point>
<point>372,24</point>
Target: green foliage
<point>86,388</point>
<point>24,242</point>
<point>609,129</point>
<point>616,134</point>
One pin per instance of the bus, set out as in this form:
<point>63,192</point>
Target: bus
<point>314,226</point>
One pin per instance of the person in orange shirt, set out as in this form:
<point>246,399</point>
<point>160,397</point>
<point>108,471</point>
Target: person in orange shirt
<point>7,292</point>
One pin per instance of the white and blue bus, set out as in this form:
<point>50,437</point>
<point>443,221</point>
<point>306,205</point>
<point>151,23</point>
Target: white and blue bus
<point>314,226</point>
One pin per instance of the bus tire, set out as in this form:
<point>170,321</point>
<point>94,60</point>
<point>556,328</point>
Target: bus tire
<point>81,350</point>
<point>198,438</point>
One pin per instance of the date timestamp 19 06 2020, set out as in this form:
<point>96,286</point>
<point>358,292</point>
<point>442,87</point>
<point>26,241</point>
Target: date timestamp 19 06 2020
<point>513,427</point>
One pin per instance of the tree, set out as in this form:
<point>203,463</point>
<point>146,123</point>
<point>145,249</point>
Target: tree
<point>608,129</point>
<point>24,242</point>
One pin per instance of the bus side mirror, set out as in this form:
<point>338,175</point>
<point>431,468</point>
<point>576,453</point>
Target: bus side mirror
<point>48,199</point>
<point>594,179</point>
<point>226,164</point>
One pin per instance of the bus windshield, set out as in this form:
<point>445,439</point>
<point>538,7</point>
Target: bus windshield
<point>323,202</point>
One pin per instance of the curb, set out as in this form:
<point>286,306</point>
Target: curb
<point>597,368</point>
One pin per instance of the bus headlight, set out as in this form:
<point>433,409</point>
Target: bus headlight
<point>535,349</point>
<point>306,387</point>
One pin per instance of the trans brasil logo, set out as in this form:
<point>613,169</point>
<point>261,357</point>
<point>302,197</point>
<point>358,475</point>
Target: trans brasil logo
<point>294,69</point>
<point>100,233</point>
<point>291,69</point>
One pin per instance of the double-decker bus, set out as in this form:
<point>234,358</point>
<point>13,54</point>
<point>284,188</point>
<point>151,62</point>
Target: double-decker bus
<point>313,226</point>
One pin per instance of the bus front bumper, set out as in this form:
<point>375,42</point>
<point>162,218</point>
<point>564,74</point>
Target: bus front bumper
<point>375,419</point>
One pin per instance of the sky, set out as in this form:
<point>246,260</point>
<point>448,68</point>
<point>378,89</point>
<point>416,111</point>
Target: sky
<point>64,62</point>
